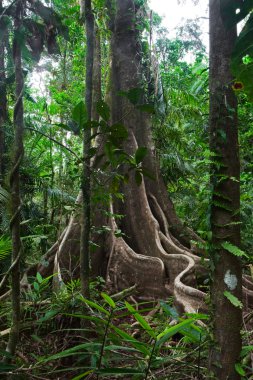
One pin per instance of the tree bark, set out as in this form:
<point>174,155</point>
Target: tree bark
<point>148,243</point>
<point>15,181</point>
<point>86,176</point>
<point>3,104</point>
<point>226,275</point>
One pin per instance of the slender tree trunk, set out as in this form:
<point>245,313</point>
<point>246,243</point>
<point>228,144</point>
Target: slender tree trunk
<point>3,105</point>
<point>226,274</point>
<point>86,176</point>
<point>15,182</point>
<point>96,74</point>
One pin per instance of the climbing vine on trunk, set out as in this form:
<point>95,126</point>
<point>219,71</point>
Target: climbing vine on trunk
<point>226,274</point>
<point>18,151</point>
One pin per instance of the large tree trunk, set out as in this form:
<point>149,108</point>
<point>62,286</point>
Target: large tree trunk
<point>227,273</point>
<point>154,241</point>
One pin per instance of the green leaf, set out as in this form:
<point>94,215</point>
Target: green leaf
<point>72,351</point>
<point>140,346</point>
<point>5,247</point>
<point>170,311</point>
<point>233,299</point>
<point>194,333</point>
<point>48,315</point>
<point>149,108</point>
<point>147,173</point>
<point>123,348</point>
<point>140,154</point>
<point>134,95</point>
<point>72,126</point>
<point>36,286</point>
<point>221,205</point>
<point>95,306</point>
<point>170,331</point>
<point>109,300</point>
<point>39,278</point>
<point>243,68</point>
<point>4,195</point>
<point>118,132</point>
<point>79,114</point>
<point>197,316</point>
<point>83,375</point>
<point>6,367</point>
<point>103,110</point>
<point>96,320</point>
<point>246,350</point>
<point>139,318</point>
<point>29,98</point>
<point>239,369</point>
<point>6,353</point>
<point>233,249</point>
<point>109,151</point>
<point>138,177</point>
<point>120,371</point>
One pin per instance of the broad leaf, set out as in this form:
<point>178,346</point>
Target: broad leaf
<point>243,68</point>
<point>170,311</point>
<point>140,154</point>
<point>134,95</point>
<point>170,331</point>
<point>239,369</point>
<point>103,110</point>
<point>109,300</point>
<point>233,299</point>
<point>149,108</point>
<point>118,132</point>
<point>39,278</point>
<point>79,114</point>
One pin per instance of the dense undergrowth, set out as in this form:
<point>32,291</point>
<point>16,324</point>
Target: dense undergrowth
<point>74,338</point>
<point>64,336</point>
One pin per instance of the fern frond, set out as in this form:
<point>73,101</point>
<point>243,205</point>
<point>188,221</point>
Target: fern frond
<point>4,196</point>
<point>5,247</point>
<point>233,249</point>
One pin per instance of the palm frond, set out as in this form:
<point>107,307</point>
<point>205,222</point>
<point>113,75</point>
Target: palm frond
<point>4,196</point>
<point>61,195</point>
<point>5,247</point>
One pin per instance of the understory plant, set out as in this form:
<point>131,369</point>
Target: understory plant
<point>113,338</point>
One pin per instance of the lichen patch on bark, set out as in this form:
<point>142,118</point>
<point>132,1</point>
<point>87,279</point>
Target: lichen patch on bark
<point>230,280</point>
